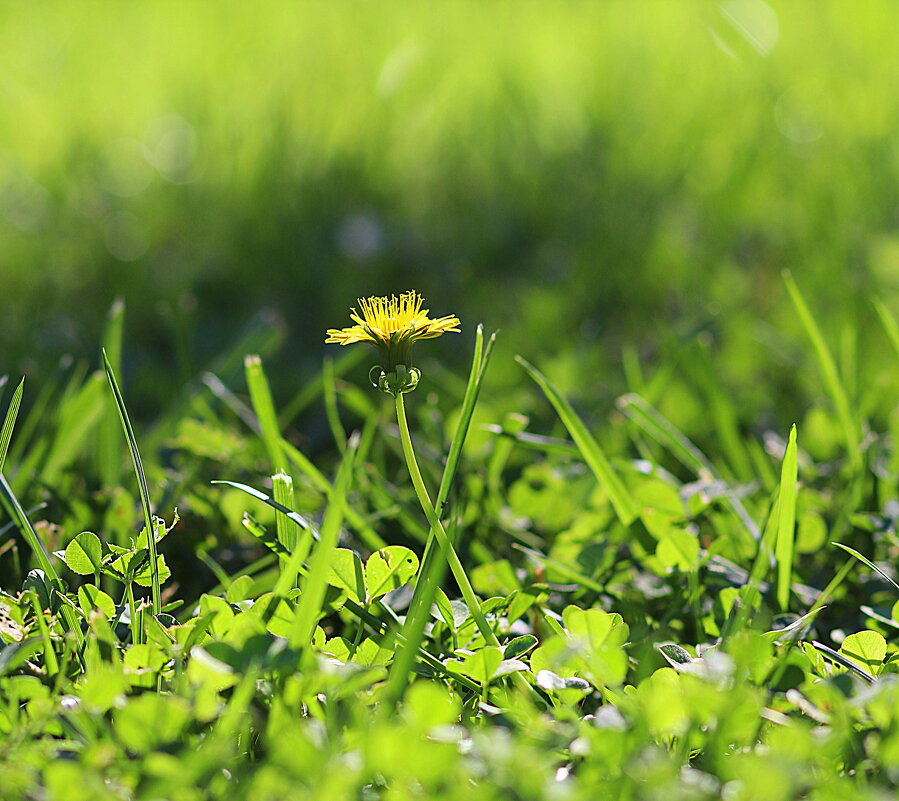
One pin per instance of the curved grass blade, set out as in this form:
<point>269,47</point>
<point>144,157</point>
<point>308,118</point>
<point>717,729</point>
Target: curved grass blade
<point>259,495</point>
<point>843,661</point>
<point>109,460</point>
<point>889,323</point>
<point>368,535</point>
<point>666,434</point>
<point>829,373</point>
<point>264,407</point>
<point>588,446</point>
<point>866,561</point>
<point>142,483</point>
<point>329,387</point>
<point>10,421</point>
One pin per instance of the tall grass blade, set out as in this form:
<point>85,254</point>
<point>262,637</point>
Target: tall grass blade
<point>264,407</point>
<point>588,446</point>
<point>369,536</point>
<point>786,522</point>
<point>666,434</point>
<point>288,530</point>
<point>329,388</point>
<point>889,323</point>
<point>141,481</point>
<point>78,415</point>
<point>722,412</point>
<point>109,460</point>
<point>9,422</point>
<point>309,607</point>
<point>829,373</point>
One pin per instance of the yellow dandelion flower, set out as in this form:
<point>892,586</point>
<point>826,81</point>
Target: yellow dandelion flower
<point>393,325</point>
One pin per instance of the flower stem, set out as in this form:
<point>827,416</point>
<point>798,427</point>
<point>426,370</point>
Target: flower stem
<point>468,593</point>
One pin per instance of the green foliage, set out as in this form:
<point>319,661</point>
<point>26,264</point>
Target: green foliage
<point>639,615</point>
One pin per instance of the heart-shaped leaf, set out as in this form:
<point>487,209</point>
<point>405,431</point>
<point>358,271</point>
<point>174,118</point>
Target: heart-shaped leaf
<point>389,569</point>
<point>84,554</point>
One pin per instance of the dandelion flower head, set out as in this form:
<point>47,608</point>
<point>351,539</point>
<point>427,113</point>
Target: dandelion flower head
<point>393,325</point>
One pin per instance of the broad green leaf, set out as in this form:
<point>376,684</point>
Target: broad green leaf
<point>679,549</point>
<point>389,569</point>
<point>239,589</point>
<point>103,688</point>
<point>867,649</point>
<point>480,665</point>
<point>84,554</point>
<point>90,598</point>
<point>346,573</point>
<point>151,720</point>
<point>369,653</point>
<point>518,646</point>
<point>674,654</point>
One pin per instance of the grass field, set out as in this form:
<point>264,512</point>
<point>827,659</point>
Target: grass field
<point>639,544</point>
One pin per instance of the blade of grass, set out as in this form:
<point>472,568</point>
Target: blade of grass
<point>329,390</point>
<point>296,517</point>
<point>9,422</point>
<point>109,459</point>
<point>588,446</point>
<point>786,522</point>
<point>313,592</point>
<point>889,323</point>
<point>865,560</point>
<point>369,536</point>
<point>722,411</point>
<point>77,416</point>
<point>142,484</point>
<point>264,407</point>
<point>666,434</point>
<point>288,531</point>
<point>843,661</point>
<point>829,373</point>
<point>348,359</point>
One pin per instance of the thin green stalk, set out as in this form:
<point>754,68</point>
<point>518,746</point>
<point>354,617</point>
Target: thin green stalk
<point>829,373</point>
<point>331,411</point>
<point>455,565</point>
<point>314,587</point>
<point>142,484</point>
<point>433,563</point>
<point>50,661</point>
<point>786,520</point>
<point>136,638</point>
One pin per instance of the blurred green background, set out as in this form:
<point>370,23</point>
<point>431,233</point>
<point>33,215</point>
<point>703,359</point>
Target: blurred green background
<point>586,176</point>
